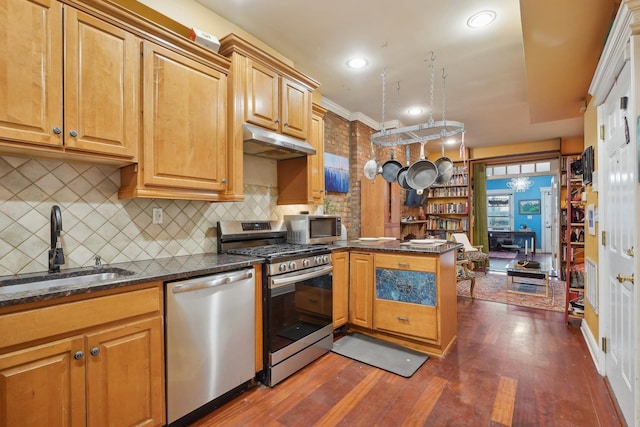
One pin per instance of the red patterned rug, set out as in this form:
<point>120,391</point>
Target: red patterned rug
<point>492,287</point>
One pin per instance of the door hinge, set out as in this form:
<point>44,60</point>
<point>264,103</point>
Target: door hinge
<point>604,344</point>
<point>602,132</point>
<point>604,238</point>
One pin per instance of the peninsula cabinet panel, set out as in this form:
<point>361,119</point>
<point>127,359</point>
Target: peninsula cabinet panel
<point>361,282</point>
<point>340,289</point>
<point>50,47</point>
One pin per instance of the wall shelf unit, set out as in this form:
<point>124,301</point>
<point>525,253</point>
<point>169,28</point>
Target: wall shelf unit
<point>572,225</point>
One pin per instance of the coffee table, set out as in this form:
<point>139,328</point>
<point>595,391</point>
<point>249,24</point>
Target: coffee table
<point>516,270</point>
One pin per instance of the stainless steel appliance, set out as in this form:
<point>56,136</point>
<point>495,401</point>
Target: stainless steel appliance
<point>210,336</point>
<point>297,294</point>
<point>313,229</point>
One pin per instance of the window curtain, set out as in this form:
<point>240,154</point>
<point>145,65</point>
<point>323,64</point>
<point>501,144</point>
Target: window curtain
<point>479,183</point>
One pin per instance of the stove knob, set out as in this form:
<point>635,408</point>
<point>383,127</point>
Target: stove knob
<point>325,259</point>
<point>282,267</point>
<point>317,259</point>
<point>306,263</point>
<point>292,265</point>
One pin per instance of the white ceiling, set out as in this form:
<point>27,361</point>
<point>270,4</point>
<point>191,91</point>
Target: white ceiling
<point>522,79</point>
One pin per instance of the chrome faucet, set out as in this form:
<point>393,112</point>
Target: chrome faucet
<point>56,256</point>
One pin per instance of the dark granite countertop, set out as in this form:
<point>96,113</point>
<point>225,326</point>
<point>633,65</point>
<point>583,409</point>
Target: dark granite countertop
<point>396,246</point>
<point>164,269</point>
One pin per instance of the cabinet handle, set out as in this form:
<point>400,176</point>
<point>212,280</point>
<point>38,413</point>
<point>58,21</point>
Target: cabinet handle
<point>403,319</point>
<point>286,124</point>
<point>95,351</point>
<point>57,131</point>
<point>277,121</point>
<point>78,355</point>
<point>404,264</point>
<point>73,133</point>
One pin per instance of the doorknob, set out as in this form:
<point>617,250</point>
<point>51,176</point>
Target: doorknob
<point>621,278</point>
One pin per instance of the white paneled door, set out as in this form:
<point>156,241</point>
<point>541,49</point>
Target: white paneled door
<point>617,203</point>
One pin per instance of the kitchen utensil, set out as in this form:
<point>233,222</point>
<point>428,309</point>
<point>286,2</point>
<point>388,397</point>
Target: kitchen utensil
<point>401,177</point>
<point>423,173</point>
<point>390,169</point>
<point>371,167</point>
<point>445,168</point>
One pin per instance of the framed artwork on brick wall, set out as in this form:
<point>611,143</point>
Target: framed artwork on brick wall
<point>336,173</point>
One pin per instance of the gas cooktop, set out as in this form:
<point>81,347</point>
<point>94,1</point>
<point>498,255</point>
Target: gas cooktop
<point>280,250</point>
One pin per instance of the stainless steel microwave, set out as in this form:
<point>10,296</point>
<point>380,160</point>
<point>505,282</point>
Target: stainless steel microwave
<point>313,229</point>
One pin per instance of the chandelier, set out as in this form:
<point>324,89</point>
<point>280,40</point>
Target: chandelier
<point>422,132</point>
<point>520,184</point>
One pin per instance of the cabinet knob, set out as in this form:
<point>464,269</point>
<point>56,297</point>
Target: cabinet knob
<point>277,121</point>
<point>224,180</point>
<point>73,133</point>
<point>95,351</point>
<point>78,355</point>
<point>57,131</point>
<point>286,124</point>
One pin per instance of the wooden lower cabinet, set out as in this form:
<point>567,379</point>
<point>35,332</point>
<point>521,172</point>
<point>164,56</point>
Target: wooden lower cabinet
<point>104,367</point>
<point>340,289</point>
<point>406,299</point>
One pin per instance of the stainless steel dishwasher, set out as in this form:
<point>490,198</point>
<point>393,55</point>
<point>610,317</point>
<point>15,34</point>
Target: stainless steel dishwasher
<point>210,338</point>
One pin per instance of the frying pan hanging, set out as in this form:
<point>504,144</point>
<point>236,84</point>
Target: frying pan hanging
<point>390,169</point>
<point>402,173</point>
<point>445,168</point>
<point>423,173</point>
<point>371,167</point>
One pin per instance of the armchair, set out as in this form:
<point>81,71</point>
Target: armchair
<point>474,253</point>
<point>462,270</point>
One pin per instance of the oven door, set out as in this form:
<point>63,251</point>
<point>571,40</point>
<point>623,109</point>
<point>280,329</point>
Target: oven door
<point>299,311</point>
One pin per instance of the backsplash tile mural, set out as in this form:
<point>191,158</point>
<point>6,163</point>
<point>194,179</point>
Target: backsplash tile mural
<point>96,222</point>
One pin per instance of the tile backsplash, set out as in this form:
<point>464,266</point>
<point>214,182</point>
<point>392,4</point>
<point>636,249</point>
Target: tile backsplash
<point>96,222</point>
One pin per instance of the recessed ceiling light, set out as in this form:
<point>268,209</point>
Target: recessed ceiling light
<point>451,141</point>
<point>357,63</point>
<point>414,111</point>
<point>481,19</point>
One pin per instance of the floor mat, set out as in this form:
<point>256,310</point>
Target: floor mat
<point>372,351</point>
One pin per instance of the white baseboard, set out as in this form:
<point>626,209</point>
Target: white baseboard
<point>594,348</point>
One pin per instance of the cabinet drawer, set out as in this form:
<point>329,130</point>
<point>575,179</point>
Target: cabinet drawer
<point>30,325</point>
<point>403,318</point>
<point>405,262</point>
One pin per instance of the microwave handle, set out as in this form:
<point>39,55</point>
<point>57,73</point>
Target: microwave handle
<point>278,282</point>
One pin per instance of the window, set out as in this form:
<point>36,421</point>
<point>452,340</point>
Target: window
<point>499,210</point>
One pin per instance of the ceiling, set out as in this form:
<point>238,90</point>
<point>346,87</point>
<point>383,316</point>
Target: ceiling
<point>523,78</point>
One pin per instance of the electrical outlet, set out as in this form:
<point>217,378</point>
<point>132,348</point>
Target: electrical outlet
<point>157,215</point>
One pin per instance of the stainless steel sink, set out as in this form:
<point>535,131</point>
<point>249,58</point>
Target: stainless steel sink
<point>63,279</point>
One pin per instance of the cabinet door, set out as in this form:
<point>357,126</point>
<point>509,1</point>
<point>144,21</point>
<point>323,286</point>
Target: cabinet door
<point>340,289</point>
<point>31,72</point>
<point>125,375</point>
<point>184,122</point>
<point>262,101</point>
<point>296,107</point>
<point>102,95</point>
<point>43,385</point>
<point>316,162</point>
<point>361,289</point>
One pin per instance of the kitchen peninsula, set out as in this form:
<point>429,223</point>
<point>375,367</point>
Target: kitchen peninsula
<point>402,292</point>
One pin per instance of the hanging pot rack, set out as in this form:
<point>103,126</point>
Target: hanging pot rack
<point>422,132</point>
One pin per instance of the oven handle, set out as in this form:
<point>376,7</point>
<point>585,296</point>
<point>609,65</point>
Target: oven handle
<point>178,289</point>
<point>278,282</point>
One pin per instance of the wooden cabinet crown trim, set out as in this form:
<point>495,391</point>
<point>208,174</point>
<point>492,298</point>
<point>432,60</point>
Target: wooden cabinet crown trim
<point>232,43</point>
<point>117,13</point>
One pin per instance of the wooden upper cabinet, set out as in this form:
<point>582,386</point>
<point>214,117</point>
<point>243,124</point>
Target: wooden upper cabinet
<point>262,100</point>
<point>102,86</point>
<point>276,102</point>
<point>316,162</point>
<point>98,116</point>
<point>295,106</point>
<point>31,76</point>
<point>184,122</point>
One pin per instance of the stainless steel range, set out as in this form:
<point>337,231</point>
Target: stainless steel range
<point>297,294</point>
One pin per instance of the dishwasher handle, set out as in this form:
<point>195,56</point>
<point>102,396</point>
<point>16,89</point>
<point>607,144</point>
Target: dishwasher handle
<point>212,283</point>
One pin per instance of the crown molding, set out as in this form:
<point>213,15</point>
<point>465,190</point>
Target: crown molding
<point>350,116</point>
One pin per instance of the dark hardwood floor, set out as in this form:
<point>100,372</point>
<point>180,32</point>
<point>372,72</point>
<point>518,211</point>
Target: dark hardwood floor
<point>510,366</point>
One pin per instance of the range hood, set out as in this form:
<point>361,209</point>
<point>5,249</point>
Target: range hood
<point>264,143</point>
